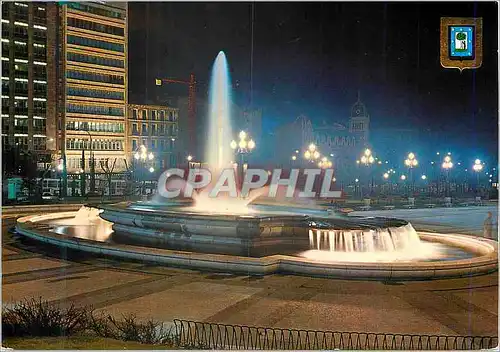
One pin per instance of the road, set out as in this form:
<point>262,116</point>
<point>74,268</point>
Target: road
<point>467,306</point>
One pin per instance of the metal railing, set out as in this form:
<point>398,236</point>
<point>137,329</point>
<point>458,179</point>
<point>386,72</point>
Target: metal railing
<point>199,335</point>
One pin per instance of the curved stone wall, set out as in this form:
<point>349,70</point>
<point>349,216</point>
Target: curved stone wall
<point>485,262</point>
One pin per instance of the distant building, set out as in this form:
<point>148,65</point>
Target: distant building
<point>88,59</point>
<point>156,128</point>
<point>26,126</point>
<point>340,143</point>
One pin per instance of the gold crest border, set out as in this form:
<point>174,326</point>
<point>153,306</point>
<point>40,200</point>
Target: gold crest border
<point>446,62</point>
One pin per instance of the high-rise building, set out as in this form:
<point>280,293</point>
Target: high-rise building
<point>24,84</point>
<point>90,66</point>
<point>154,128</point>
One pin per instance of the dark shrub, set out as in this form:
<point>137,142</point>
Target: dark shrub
<point>40,318</point>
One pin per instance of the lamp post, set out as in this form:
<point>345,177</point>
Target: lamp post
<point>242,147</point>
<point>142,157</point>
<point>325,163</point>
<point>91,166</point>
<point>477,167</point>
<point>410,163</point>
<point>312,154</point>
<point>447,165</point>
<point>426,185</point>
<point>63,177</point>
<point>386,176</point>
<point>367,160</point>
<point>293,158</point>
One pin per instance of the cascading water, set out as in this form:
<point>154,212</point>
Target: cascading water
<point>384,244</point>
<point>387,240</point>
<point>86,224</point>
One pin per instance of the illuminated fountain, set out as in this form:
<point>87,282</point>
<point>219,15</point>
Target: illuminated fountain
<point>235,235</point>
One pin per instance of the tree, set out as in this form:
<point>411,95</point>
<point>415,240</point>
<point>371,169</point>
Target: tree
<point>461,36</point>
<point>108,170</point>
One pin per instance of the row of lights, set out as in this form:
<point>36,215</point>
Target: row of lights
<point>313,155</point>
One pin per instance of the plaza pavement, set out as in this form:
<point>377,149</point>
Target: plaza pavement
<point>467,306</point>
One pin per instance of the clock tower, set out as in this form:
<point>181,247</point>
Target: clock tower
<point>359,123</point>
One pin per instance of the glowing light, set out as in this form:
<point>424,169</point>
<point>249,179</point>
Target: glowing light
<point>242,144</point>
<point>151,169</point>
<point>251,144</point>
<point>234,144</point>
<point>189,157</point>
<point>242,135</point>
<point>386,175</point>
<point>151,156</point>
<point>316,154</point>
<point>312,147</point>
<point>424,177</point>
<point>137,156</point>
<point>403,177</point>
<point>307,154</point>
<point>368,152</point>
<point>294,157</point>
<point>356,180</point>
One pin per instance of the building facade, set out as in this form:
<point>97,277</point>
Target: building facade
<point>156,128</point>
<point>24,83</point>
<point>90,65</point>
<point>342,143</point>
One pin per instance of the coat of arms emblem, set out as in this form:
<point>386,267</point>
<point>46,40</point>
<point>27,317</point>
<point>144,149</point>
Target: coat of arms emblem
<point>461,42</point>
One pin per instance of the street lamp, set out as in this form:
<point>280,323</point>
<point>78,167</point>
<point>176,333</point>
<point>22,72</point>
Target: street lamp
<point>325,163</point>
<point>242,147</point>
<point>189,158</point>
<point>367,159</point>
<point>477,167</point>
<point>447,165</point>
<point>142,157</point>
<point>411,162</point>
<point>312,154</point>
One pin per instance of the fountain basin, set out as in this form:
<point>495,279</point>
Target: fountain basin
<point>485,259</point>
<point>265,231</point>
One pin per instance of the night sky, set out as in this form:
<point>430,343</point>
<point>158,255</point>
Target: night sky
<point>311,58</point>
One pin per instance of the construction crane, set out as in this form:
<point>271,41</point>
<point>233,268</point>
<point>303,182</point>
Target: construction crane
<point>191,83</point>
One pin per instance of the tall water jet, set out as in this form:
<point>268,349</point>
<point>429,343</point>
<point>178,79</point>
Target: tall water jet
<point>218,154</point>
